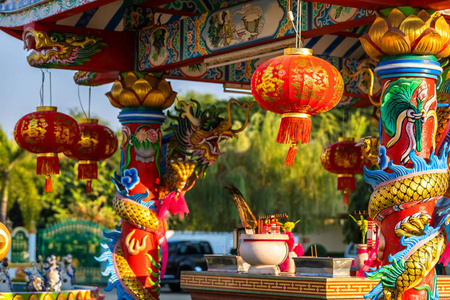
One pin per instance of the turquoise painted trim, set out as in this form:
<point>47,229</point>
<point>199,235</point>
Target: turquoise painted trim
<point>408,70</point>
<point>39,12</point>
<point>408,56</point>
<point>410,74</point>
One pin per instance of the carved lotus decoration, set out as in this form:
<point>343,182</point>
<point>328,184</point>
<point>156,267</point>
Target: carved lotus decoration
<point>407,30</point>
<point>138,90</point>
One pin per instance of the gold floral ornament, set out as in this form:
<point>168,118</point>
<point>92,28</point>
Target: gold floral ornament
<point>406,30</point>
<point>140,89</point>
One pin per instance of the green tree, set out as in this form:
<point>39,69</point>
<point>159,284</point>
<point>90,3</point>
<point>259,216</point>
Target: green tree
<point>16,181</point>
<point>253,162</point>
<point>69,201</point>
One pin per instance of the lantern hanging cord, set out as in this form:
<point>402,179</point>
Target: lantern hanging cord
<point>41,92</point>
<point>81,104</point>
<point>89,108</point>
<point>50,81</point>
<point>297,26</point>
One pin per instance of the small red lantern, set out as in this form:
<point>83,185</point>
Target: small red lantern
<point>46,132</point>
<point>296,85</point>
<point>97,143</point>
<point>345,159</point>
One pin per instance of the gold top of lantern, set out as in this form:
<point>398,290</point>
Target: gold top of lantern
<point>297,51</point>
<point>46,108</point>
<point>89,121</point>
<point>346,139</point>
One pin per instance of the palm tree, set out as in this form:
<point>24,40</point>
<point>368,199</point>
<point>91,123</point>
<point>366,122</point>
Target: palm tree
<point>10,156</point>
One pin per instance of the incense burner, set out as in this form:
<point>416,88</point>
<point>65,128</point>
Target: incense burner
<point>264,252</point>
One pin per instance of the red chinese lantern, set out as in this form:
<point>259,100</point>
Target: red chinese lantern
<point>46,132</point>
<point>345,159</point>
<point>296,85</point>
<point>96,143</point>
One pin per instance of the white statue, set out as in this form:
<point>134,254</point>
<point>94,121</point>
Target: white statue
<point>51,275</point>
<point>35,281</point>
<point>5,279</point>
<point>67,272</point>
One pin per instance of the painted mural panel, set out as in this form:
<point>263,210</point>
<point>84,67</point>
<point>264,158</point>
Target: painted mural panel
<point>326,14</point>
<point>159,46</point>
<point>242,24</point>
<point>236,26</point>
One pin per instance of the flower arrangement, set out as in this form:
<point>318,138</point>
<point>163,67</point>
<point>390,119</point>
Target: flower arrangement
<point>363,226</point>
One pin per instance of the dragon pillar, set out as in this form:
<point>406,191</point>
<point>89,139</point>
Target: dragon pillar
<point>155,173</point>
<point>407,200</point>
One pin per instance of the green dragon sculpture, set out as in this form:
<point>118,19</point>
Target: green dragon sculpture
<point>53,49</point>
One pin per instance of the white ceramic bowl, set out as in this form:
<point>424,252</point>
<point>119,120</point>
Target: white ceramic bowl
<point>264,249</point>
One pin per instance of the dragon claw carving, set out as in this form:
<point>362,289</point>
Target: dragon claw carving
<point>133,245</point>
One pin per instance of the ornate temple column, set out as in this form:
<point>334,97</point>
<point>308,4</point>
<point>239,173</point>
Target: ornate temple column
<point>155,173</point>
<point>408,43</point>
<point>134,250</point>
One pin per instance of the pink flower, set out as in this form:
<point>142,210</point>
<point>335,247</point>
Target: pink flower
<point>153,135</point>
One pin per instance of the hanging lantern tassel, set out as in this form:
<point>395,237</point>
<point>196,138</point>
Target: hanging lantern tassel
<point>346,182</point>
<point>294,127</point>
<point>88,186</point>
<point>47,163</point>
<point>87,170</point>
<point>290,157</point>
<point>48,184</point>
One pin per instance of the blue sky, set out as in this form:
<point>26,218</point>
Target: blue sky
<point>20,86</point>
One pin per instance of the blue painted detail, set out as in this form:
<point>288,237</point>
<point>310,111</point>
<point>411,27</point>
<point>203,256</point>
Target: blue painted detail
<point>139,116</point>
<point>140,120</point>
<point>443,105</point>
<point>410,74</point>
<point>337,41</point>
<point>116,19</point>
<point>11,6</point>
<point>377,177</point>
<point>165,142</point>
<point>351,50</point>
<point>409,70</point>
<point>404,61</point>
<point>181,39</point>
<point>107,256</point>
<point>312,42</point>
<point>130,179</point>
<point>86,17</point>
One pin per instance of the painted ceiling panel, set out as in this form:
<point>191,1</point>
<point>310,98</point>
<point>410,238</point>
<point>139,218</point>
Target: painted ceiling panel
<point>105,17</point>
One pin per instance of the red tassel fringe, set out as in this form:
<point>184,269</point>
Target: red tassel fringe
<point>294,129</point>
<point>87,170</point>
<point>48,184</point>
<point>346,183</point>
<point>88,186</point>
<point>290,157</point>
<point>346,198</point>
<point>47,165</point>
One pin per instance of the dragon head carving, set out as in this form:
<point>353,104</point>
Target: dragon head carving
<point>53,49</point>
<point>199,132</point>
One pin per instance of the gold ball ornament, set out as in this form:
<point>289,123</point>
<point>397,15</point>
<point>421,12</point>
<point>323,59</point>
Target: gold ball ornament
<point>5,241</point>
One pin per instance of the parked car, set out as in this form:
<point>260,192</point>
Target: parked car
<point>184,256</point>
